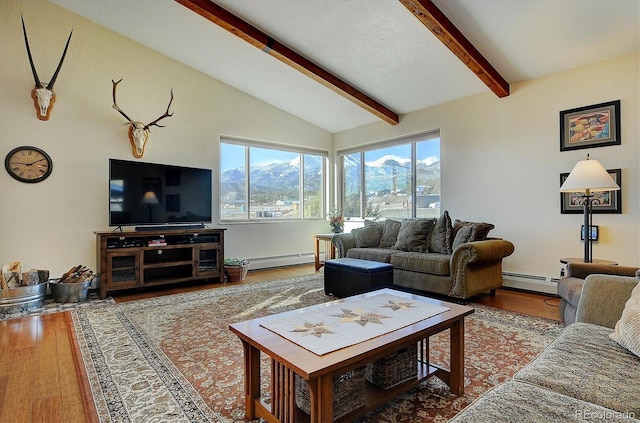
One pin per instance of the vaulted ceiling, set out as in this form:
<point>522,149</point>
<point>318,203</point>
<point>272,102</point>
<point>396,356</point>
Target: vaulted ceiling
<point>342,64</point>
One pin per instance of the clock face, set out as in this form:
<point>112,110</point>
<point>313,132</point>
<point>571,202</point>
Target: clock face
<point>28,164</point>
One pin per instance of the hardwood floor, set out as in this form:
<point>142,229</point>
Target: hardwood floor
<point>38,380</point>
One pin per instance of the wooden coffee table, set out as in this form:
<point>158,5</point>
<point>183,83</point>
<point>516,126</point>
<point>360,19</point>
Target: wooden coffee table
<point>288,359</point>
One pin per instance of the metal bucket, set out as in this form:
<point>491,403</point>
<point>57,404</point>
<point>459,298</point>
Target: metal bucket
<point>19,299</point>
<point>70,292</point>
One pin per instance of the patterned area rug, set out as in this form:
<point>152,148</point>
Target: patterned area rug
<point>173,358</point>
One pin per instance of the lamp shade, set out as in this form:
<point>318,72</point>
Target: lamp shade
<point>150,198</point>
<point>589,176</point>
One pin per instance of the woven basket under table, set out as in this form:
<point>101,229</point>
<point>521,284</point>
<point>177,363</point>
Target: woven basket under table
<point>348,393</point>
<point>393,369</point>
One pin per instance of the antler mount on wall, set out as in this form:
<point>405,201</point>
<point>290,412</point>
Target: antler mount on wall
<point>43,95</point>
<point>138,131</point>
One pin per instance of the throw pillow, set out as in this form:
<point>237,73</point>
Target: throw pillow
<point>440,238</point>
<point>366,237</point>
<point>479,232</point>
<point>627,330</point>
<point>414,235</point>
<point>463,234</point>
<point>378,225</point>
<point>390,233</point>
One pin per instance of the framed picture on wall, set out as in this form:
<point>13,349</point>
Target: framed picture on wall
<point>591,126</point>
<point>603,201</point>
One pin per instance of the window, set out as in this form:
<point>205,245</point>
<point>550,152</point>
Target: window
<point>260,181</point>
<point>393,179</point>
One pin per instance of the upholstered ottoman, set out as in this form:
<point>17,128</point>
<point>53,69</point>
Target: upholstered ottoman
<point>345,277</point>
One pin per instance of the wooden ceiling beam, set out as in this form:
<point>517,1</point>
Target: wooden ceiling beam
<point>429,14</point>
<point>269,45</point>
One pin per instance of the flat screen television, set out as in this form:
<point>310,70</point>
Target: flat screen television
<point>158,194</point>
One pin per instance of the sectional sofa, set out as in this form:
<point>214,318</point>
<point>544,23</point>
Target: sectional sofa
<point>584,374</point>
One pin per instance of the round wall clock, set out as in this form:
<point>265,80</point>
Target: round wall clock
<point>28,164</point>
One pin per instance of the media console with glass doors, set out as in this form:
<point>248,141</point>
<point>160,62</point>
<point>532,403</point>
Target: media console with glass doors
<point>157,257</point>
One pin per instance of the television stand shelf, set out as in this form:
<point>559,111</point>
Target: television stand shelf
<point>156,257</point>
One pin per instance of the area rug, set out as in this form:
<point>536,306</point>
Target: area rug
<point>173,358</point>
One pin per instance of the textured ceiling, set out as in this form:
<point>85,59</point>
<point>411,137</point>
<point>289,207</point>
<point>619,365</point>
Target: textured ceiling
<point>377,46</point>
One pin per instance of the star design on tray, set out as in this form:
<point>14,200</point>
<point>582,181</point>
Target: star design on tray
<point>398,305</point>
<point>315,329</point>
<point>360,317</point>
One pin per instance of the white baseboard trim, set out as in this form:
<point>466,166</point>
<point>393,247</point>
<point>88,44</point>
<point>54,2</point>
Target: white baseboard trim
<point>543,284</point>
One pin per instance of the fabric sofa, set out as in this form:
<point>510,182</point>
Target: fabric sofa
<point>570,287</point>
<point>435,256</point>
<point>584,374</point>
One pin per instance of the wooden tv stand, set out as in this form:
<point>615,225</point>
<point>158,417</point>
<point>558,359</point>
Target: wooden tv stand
<point>131,259</point>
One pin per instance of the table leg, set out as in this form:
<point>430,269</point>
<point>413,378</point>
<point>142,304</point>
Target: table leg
<point>321,392</point>
<point>251,379</point>
<point>456,381</point>
<point>317,252</point>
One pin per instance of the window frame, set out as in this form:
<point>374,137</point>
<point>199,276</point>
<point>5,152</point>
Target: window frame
<point>412,140</point>
<point>301,151</point>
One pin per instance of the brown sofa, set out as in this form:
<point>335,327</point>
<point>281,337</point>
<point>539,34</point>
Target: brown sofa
<point>431,255</point>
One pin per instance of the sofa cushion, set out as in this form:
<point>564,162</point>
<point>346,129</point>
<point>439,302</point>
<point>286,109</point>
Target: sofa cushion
<point>584,363</point>
<point>375,254</point>
<point>367,236</point>
<point>390,233</point>
<point>523,403</point>
<point>440,239</point>
<point>432,263</point>
<point>414,235</point>
<point>479,230</point>
<point>627,330</point>
<point>378,225</point>
<point>463,235</point>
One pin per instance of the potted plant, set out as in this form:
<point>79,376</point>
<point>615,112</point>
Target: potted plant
<point>236,269</point>
<point>336,221</point>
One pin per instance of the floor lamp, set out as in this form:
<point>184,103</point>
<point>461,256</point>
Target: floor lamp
<point>588,176</point>
<point>150,200</point>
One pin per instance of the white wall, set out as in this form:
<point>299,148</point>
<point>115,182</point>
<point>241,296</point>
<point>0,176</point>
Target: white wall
<point>500,157</point>
<point>50,225</point>
<point>501,163</point>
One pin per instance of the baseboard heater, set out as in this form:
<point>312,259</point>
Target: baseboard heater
<point>279,261</point>
<point>535,283</point>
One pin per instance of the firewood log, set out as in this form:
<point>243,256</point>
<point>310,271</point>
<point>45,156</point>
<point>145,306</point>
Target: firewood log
<point>43,275</point>
<point>30,278</point>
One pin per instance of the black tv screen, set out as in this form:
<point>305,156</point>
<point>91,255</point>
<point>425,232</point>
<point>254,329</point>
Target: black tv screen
<point>153,194</point>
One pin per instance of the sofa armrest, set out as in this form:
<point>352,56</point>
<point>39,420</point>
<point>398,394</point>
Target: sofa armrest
<point>477,266</point>
<point>603,299</point>
<point>582,270</point>
<point>343,242</point>
<point>479,252</point>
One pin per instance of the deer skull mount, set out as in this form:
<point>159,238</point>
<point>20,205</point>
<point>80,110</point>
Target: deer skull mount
<point>138,131</point>
<point>43,95</point>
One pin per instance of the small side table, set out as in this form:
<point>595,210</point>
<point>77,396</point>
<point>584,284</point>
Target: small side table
<point>328,249</point>
<point>566,260</point>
